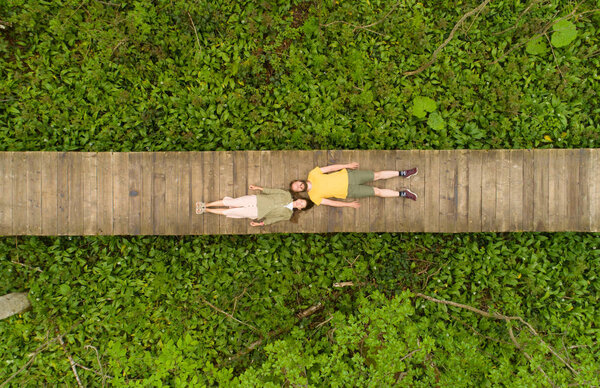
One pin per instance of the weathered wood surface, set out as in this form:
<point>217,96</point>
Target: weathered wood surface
<point>88,193</point>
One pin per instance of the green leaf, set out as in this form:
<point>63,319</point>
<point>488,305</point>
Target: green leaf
<point>537,46</point>
<point>564,33</point>
<point>64,289</point>
<point>436,121</point>
<point>421,105</point>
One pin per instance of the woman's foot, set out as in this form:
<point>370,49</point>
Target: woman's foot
<point>200,207</point>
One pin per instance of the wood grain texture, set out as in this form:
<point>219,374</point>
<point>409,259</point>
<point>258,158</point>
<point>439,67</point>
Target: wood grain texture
<point>72,193</point>
<point>49,193</point>
<point>6,193</point>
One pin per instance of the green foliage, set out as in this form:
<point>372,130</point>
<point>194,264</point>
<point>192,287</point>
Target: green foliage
<point>564,33</point>
<point>422,105</point>
<point>140,76</point>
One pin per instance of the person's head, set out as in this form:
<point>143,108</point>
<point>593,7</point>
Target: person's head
<point>300,204</point>
<point>298,186</point>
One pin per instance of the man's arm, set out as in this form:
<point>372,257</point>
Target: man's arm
<point>331,202</point>
<point>337,167</point>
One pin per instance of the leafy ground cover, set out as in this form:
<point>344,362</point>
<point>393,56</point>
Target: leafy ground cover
<point>286,309</point>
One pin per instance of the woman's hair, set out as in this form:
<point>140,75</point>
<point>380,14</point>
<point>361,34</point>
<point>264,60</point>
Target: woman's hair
<point>296,212</point>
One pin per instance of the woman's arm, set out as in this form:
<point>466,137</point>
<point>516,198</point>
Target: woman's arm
<point>253,223</point>
<point>337,167</point>
<point>253,187</point>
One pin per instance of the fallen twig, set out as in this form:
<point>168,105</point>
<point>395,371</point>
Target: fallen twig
<point>503,317</point>
<point>254,328</point>
<point>73,367</point>
<point>431,60</point>
<point>195,32</point>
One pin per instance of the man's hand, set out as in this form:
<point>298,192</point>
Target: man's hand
<point>353,204</point>
<point>252,223</point>
<point>352,166</point>
<point>252,187</point>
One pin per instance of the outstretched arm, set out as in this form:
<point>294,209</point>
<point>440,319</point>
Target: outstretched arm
<point>337,167</point>
<point>253,223</point>
<point>331,202</point>
<point>253,187</point>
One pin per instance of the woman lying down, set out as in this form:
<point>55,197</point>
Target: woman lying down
<point>270,206</point>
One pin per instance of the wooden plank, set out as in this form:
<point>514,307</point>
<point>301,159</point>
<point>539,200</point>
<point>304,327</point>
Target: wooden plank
<point>448,190</point>
<point>583,216</point>
<point>516,190</point>
<point>335,214</point>
<point>290,172</point>
<point>197,193</point>
<point>185,206</point>
<point>540,190</point>
<point>34,193</point>
<point>321,211</point>
<point>432,191</point>
<point>253,172</point>
<point>225,188</point>
<point>475,164</point>
<point>120,168</point>
<point>461,215</point>
<point>49,193</point>
<point>347,215</point>
<point>266,177</point>
<point>357,219</point>
<point>75,171</point>
<point>528,189</point>
<point>240,186</point>
<point>90,193</point>
<point>488,191</point>
<point>572,182</point>
<point>105,193</point>
<point>594,190</point>
<point>399,208</point>
<point>376,205</point>
<point>159,187</point>
<point>171,193</point>
<point>415,209</point>
<point>62,184</point>
<point>135,188</point>
<point>503,191</point>
<point>278,161</point>
<point>20,165</point>
<point>6,193</point>
<point>304,164</point>
<point>560,176</point>
<point>211,177</point>
<point>147,165</point>
<point>553,190</point>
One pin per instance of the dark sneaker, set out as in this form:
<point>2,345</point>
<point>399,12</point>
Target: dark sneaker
<point>406,193</point>
<point>409,173</point>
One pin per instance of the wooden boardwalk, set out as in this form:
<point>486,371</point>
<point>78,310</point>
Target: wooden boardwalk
<point>153,193</point>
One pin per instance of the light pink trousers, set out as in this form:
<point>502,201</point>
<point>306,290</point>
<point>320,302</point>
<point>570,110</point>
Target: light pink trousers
<point>242,207</point>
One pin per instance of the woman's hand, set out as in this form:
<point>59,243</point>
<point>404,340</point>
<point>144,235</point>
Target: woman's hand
<point>354,204</point>
<point>252,223</point>
<point>352,166</point>
<point>252,187</point>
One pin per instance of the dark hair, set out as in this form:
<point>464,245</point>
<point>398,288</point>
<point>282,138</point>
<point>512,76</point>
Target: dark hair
<point>298,180</point>
<point>296,212</point>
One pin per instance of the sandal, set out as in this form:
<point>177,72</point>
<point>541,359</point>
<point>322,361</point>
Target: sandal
<point>200,207</point>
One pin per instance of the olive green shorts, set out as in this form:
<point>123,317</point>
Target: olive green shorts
<point>356,188</point>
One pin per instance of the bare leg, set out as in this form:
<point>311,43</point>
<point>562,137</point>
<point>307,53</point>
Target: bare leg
<point>216,204</point>
<point>385,193</point>
<point>385,175</point>
<point>215,211</point>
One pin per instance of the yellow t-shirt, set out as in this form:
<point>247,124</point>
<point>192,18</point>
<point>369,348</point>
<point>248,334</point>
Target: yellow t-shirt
<point>334,184</point>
